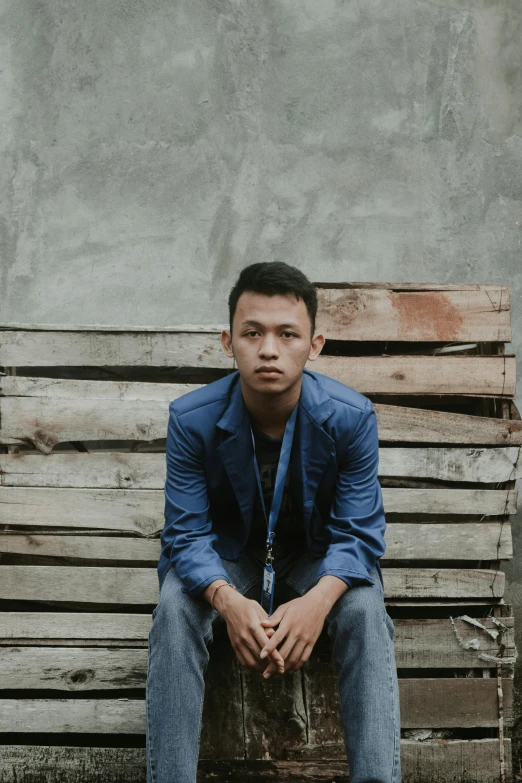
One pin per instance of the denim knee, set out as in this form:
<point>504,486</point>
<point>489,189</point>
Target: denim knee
<point>178,614</point>
<point>356,610</point>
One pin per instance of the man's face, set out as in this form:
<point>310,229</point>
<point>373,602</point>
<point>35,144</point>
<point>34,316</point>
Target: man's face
<point>271,341</point>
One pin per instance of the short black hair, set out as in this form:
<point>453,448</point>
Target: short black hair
<point>274,278</point>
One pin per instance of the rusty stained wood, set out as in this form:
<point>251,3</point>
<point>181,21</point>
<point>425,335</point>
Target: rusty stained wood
<point>141,511</point>
<point>429,761</point>
<point>119,470</point>
<point>45,422</point>
<point>479,315</point>
<point>419,642</point>
<point>139,586</point>
<point>404,541</point>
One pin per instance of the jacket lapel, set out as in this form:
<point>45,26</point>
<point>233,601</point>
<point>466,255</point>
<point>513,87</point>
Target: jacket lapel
<point>236,452</point>
<point>315,446</point>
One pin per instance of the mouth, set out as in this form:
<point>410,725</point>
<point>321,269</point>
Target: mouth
<point>269,372</point>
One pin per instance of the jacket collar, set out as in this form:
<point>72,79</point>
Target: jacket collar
<point>313,399</point>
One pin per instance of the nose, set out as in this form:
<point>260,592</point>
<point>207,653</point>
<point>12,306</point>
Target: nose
<point>268,348</point>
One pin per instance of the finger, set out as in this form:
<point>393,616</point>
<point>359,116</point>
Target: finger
<point>273,669</point>
<point>250,658</point>
<point>274,642</point>
<point>261,638</point>
<point>274,619</point>
<point>295,657</point>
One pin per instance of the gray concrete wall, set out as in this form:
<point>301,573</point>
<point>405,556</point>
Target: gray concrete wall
<point>151,149</point>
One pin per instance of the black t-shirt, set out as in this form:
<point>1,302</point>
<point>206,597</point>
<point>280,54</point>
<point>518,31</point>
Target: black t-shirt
<point>289,532</point>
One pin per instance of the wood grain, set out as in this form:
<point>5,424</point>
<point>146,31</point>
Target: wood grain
<point>421,762</point>
<point>404,541</point>
<point>123,470</point>
<point>419,642</point>
<point>141,511</point>
<point>139,586</point>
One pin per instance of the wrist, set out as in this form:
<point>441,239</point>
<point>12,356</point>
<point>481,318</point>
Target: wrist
<point>225,597</point>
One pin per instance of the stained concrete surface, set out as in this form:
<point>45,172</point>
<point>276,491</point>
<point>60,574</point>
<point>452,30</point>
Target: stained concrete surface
<point>149,150</point>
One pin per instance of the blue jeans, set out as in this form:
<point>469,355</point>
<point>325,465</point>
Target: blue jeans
<point>363,651</point>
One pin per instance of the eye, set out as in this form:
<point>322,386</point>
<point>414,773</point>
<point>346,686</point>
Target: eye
<point>252,331</point>
<point>289,334</point>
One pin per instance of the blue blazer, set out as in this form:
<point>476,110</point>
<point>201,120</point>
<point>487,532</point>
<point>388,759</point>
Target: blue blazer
<point>210,486</point>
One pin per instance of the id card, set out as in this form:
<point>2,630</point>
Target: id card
<point>267,595</point>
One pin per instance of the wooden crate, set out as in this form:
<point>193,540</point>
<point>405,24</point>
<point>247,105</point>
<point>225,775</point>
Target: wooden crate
<point>83,415</point>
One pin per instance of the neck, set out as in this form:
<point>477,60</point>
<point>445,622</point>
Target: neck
<point>271,411</point>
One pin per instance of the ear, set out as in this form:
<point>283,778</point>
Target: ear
<point>318,342</point>
<point>226,342</point>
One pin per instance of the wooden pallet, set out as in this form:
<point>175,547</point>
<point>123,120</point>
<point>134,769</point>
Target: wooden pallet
<point>83,414</point>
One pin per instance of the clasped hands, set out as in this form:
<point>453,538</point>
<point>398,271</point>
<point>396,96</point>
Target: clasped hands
<point>281,643</point>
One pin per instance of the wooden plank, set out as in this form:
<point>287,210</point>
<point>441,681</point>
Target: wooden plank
<point>479,376</point>
<point>415,425</point>
<point>138,511</point>
<point>343,314</point>
<point>419,642</point>
<point>111,470</point>
<point>404,541</point>
<point>421,762</point>
<point>415,316</point>
<point>45,422</point>
<point>72,668</point>
<point>139,586</point>
<point>112,349</point>
<point>141,511</point>
<point>83,627</point>
<point>490,376</point>
<point>425,703</point>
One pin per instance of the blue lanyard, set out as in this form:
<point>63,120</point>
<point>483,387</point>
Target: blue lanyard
<point>282,469</point>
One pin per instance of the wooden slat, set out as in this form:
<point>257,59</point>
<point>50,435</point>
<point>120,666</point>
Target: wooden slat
<point>405,541</point>
<point>46,422</point>
<point>85,627</point>
<point>110,470</point>
<point>421,762</point>
<point>419,643</point>
<point>490,376</point>
<point>480,376</point>
<point>139,586</point>
<point>142,510</point>
<point>480,315</point>
<point>72,668</point>
<point>433,703</point>
<point>112,349</point>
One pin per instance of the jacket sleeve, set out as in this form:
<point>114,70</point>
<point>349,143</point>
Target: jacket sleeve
<point>187,538</point>
<point>357,523</point>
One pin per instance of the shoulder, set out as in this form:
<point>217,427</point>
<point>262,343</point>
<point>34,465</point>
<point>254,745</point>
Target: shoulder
<point>212,396</point>
<point>342,395</point>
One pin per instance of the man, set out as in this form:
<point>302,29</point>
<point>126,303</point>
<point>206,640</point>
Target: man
<point>272,470</point>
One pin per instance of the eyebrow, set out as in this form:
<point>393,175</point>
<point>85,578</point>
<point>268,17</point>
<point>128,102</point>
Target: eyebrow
<point>281,326</point>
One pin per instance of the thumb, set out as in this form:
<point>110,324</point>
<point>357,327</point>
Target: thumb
<point>274,619</point>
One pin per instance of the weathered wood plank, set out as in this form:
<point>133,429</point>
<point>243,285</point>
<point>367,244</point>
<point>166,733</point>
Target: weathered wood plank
<point>419,643</point>
<point>112,349</point>
<point>84,627</point>
<point>487,376</point>
<point>422,316</point>
<point>420,762</point>
<point>490,376</point>
<point>480,315</point>
<point>46,422</point>
<point>425,703</point>
<point>405,541</point>
<point>139,586</point>
<point>142,510</point>
<point>111,470</point>
<point>72,668</point>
